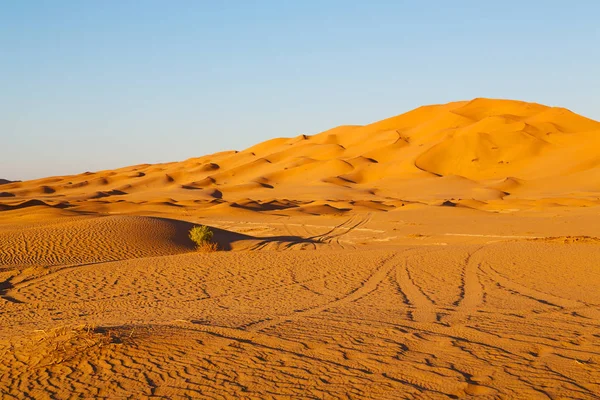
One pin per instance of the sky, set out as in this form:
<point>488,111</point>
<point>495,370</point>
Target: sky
<point>92,85</point>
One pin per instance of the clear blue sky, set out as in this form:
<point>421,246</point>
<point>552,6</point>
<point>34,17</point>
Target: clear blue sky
<point>90,85</point>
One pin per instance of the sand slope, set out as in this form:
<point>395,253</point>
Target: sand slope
<point>88,240</point>
<point>449,252</point>
<point>490,151</point>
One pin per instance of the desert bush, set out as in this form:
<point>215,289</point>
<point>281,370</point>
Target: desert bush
<point>202,236</point>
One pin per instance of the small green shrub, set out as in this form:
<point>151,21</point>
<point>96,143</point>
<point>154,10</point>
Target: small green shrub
<point>202,236</point>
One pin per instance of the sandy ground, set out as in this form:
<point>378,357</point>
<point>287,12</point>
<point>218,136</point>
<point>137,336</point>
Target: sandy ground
<point>364,262</point>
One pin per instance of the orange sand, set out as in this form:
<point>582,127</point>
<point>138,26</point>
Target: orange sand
<point>458,255</point>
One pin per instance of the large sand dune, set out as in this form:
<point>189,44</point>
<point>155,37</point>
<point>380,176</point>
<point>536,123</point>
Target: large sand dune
<point>495,152</point>
<point>449,252</point>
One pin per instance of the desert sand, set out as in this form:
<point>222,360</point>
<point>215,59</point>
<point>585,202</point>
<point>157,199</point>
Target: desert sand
<point>449,252</point>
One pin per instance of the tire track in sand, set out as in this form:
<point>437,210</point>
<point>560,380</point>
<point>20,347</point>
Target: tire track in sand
<point>422,308</point>
<point>472,291</point>
<point>368,286</point>
<point>544,298</point>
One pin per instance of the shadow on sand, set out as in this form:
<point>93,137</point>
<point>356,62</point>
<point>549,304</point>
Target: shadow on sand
<point>228,240</point>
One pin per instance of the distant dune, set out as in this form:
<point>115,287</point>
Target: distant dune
<point>483,152</point>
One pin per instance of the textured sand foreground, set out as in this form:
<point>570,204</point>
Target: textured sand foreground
<point>397,260</point>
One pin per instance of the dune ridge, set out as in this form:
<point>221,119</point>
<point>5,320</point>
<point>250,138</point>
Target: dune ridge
<point>484,150</point>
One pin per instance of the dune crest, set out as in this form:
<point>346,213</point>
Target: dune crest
<point>507,150</point>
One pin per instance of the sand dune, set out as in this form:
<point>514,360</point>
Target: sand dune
<point>448,252</point>
<point>510,147</point>
<point>81,240</point>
